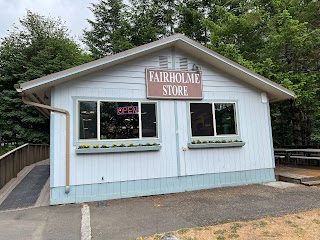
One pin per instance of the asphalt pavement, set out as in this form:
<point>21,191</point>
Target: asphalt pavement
<point>131,218</point>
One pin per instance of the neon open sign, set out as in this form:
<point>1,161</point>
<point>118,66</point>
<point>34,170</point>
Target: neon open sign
<point>127,110</point>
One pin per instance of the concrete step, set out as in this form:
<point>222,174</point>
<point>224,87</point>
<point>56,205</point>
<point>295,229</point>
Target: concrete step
<point>298,179</point>
<point>311,183</point>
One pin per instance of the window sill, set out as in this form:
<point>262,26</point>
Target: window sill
<point>216,145</point>
<point>117,149</point>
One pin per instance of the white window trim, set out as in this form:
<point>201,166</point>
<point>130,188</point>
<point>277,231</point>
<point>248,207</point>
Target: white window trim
<point>214,120</point>
<point>98,121</point>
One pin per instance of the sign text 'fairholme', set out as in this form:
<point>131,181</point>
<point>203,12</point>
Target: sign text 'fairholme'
<point>173,84</point>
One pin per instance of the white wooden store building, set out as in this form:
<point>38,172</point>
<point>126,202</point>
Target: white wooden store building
<point>169,116</point>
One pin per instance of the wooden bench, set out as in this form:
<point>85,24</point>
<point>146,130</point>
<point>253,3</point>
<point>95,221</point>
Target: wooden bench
<point>278,158</point>
<point>296,157</point>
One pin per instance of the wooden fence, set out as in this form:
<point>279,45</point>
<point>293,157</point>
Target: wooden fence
<point>13,162</point>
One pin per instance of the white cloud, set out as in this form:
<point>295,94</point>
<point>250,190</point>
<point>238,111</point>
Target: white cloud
<point>73,13</point>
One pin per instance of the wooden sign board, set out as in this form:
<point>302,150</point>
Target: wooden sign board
<point>173,84</point>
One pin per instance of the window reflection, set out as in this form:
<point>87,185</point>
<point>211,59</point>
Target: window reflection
<point>149,120</point>
<point>88,120</point>
<point>201,119</point>
<point>225,118</point>
<point>119,120</point>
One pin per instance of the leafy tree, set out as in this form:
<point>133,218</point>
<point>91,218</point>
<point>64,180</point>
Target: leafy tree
<point>281,49</point>
<point>40,46</point>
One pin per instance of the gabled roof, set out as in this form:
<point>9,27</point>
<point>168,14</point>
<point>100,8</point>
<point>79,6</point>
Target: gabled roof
<point>275,91</point>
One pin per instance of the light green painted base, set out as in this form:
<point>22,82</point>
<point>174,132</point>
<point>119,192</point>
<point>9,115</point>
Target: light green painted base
<point>147,187</point>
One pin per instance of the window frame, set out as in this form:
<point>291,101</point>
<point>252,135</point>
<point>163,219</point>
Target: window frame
<point>98,139</point>
<point>214,120</point>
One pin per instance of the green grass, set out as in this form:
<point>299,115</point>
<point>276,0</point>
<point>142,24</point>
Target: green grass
<point>292,224</point>
<point>183,230</point>
<point>235,227</point>
<point>220,232</point>
<point>233,235</point>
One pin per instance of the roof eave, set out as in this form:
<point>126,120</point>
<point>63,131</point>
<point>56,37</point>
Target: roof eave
<point>177,40</point>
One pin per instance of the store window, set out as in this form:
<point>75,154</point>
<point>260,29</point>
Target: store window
<point>118,120</point>
<point>225,118</point>
<point>88,120</point>
<point>149,120</point>
<point>201,119</point>
<point>213,119</point>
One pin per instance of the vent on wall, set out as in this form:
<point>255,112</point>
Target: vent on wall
<point>163,62</point>
<point>183,63</point>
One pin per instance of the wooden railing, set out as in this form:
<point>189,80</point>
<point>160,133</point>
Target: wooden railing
<point>298,146</point>
<point>13,162</point>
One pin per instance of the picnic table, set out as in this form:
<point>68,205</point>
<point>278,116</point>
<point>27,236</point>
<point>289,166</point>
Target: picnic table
<point>306,154</point>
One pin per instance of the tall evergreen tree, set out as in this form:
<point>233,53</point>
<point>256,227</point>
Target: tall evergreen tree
<point>110,29</point>
<point>147,21</point>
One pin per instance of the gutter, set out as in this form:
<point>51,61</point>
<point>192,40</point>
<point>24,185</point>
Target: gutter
<point>59,110</point>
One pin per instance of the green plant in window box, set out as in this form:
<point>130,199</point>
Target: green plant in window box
<point>84,146</point>
<point>105,146</point>
<point>140,145</point>
<point>224,141</point>
<point>199,141</point>
<point>114,145</point>
<point>237,140</point>
<point>230,141</point>
<point>148,144</point>
<point>193,142</point>
<point>211,141</point>
<point>204,141</point>
<point>95,146</point>
<point>131,145</point>
<point>122,145</point>
<point>155,144</point>
<point>218,141</point>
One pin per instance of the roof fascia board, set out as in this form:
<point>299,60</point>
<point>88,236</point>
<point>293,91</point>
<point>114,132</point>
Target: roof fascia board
<point>239,69</point>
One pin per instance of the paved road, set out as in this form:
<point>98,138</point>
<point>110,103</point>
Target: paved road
<point>130,218</point>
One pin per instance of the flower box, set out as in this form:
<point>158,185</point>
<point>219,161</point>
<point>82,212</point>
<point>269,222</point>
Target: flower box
<point>215,145</point>
<point>118,149</point>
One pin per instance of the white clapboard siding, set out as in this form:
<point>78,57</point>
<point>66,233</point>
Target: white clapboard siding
<point>128,81</point>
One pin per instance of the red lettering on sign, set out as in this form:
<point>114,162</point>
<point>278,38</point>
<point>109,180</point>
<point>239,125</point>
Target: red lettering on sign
<point>127,110</point>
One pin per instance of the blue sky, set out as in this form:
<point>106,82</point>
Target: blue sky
<point>73,13</point>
